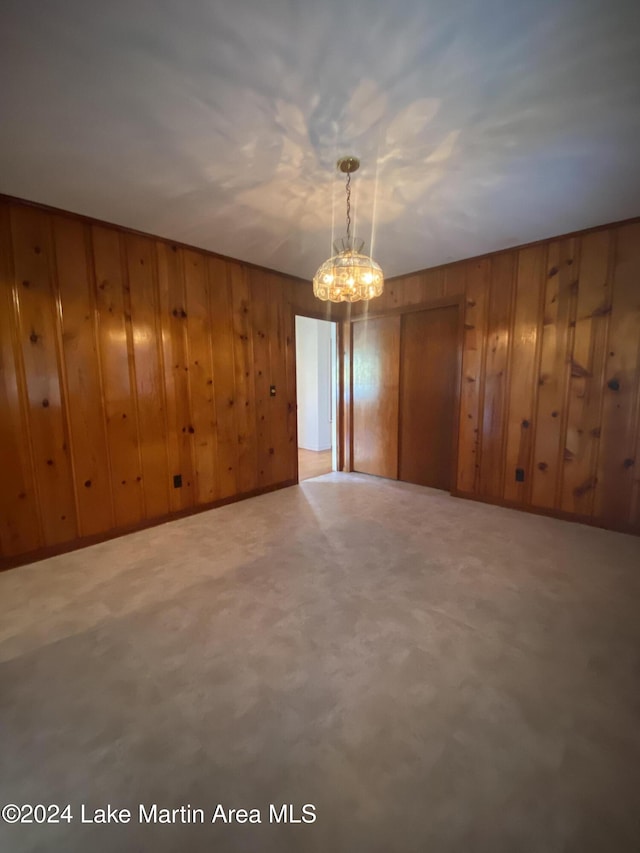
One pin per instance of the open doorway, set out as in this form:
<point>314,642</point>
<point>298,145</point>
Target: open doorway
<point>317,388</point>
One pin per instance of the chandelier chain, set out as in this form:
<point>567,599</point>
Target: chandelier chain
<point>349,207</point>
<point>349,275</point>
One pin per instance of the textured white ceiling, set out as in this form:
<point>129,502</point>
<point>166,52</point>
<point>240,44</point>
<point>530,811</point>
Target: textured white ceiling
<point>479,124</point>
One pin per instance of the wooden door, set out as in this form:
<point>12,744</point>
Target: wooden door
<point>376,374</point>
<point>428,393</point>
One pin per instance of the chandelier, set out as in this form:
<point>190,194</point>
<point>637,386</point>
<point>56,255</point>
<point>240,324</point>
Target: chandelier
<point>348,276</point>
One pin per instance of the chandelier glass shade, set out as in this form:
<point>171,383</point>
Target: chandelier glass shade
<point>350,275</point>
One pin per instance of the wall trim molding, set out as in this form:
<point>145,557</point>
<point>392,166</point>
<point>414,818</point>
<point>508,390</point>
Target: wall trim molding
<point>92,220</point>
<point>559,514</point>
<point>619,223</point>
<point>77,544</point>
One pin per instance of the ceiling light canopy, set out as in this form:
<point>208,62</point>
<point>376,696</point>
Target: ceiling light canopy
<point>349,276</point>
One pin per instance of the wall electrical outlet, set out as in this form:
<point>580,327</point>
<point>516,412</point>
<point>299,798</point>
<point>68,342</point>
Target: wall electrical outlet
<point>177,481</point>
<point>519,475</point>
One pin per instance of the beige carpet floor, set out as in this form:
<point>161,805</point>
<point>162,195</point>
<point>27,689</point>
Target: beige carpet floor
<point>431,674</point>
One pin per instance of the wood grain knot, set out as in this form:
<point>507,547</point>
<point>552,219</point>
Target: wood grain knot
<point>629,463</point>
<point>613,384</point>
<point>542,466</point>
<point>87,484</point>
<point>585,487</point>
<point>45,403</point>
<point>578,371</point>
<point>525,424</point>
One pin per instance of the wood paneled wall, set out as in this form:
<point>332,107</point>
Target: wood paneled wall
<point>126,360</point>
<point>550,372</point>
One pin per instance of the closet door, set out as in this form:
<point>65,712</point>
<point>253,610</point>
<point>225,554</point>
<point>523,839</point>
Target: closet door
<point>376,374</point>
<point>428,390</point>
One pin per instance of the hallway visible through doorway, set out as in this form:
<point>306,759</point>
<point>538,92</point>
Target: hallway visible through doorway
<point>316,366</point>
<point>313,463</point>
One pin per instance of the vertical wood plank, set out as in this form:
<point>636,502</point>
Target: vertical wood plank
<point>455,277</point>
<point>634,510</point>
<point>475,303</point>
<point>144,333</point>
<point>175,344</point>
<point>523,371</point>
<point>413,290</point>
<point>84,397</point>
<point>494,408</point>
<point>34,269</point>
<point>617,462</point>
<point>244,385</point>
<point>19,518</point>
<point>582,438</point>
<point>203,406</point>
<point>553,380</point>
<point>224,390</point>
<point>259,290</point>
<point>122,433</point>
<point>276,301</point>
<point>292,390</point>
